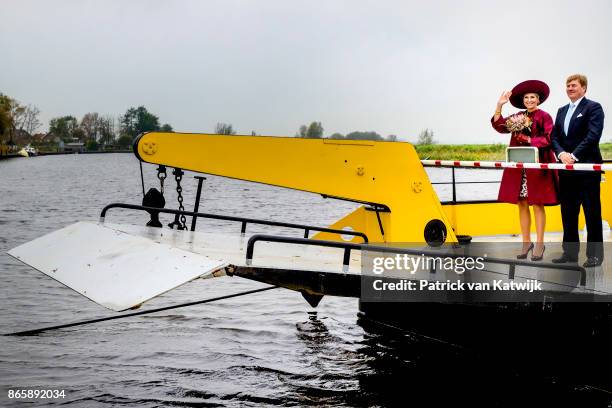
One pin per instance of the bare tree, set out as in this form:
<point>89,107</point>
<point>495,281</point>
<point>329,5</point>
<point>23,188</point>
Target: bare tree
<point>392,138</point>
<point>107,129</point>
<point>18,112</point>
<point>16,119</point>
<point>25,120</point>
<point>224,129</point>
<point>31,121</point>
<point>90,125</point>
<point>426,137</point>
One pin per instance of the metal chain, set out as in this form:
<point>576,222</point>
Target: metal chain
<point>178,176</point>
<point>161,175</point>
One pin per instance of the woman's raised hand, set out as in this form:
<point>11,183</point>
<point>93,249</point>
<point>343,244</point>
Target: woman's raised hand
<point>504,98</point>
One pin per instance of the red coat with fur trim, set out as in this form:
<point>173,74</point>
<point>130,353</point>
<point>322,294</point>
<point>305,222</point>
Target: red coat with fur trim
<point>542,185</point>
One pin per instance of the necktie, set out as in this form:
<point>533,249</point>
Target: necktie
<point>568,116</point>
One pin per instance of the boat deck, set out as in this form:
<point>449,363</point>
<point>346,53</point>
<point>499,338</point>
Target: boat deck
<point>231,248</point>
<point>274,258</point>
<point>121,266</point>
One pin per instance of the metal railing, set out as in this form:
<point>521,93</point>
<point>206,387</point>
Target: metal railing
<point>454,183</point>
<point>348,247</point>
<point>243,220</point>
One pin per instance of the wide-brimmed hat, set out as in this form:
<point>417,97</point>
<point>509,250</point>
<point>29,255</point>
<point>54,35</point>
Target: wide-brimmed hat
<point>530,86</point>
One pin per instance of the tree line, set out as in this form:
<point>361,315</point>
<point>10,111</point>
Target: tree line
<point>315,131</point>
<point>19,124</point>
<point>94,129</point>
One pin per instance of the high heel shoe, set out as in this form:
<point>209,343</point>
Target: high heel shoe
<point>524,254</point>
<point>538,257</point>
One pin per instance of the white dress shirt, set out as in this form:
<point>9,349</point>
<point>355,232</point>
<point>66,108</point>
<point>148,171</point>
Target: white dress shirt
<point>576,103</point>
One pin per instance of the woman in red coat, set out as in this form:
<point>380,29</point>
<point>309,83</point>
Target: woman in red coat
<point>530,187</point>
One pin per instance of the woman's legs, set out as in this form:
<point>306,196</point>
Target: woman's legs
<point>540,222</point>
<point>525,221</point>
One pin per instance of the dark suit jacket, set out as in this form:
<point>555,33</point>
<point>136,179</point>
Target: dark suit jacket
<point>584,131</point>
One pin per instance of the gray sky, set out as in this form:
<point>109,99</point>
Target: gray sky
<point>395,67</point>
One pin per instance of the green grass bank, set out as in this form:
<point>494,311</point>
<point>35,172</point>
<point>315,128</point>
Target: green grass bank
<point>482,152</point>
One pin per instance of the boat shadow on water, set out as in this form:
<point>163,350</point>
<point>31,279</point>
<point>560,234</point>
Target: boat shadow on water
<point>391,367</point>
<point>489,357</point>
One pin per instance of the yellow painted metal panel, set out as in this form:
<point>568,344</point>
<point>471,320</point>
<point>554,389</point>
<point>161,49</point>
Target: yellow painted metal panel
<point>359,220</point>
<point>496,219</point>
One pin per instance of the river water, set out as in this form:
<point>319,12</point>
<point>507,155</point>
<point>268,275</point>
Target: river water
<point>269,348</point>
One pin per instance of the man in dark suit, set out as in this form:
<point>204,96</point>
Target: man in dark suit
<point>575,138</point>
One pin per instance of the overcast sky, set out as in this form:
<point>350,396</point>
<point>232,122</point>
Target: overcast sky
<point>395,67</point>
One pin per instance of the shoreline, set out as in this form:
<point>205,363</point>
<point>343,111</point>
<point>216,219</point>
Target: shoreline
<point>15,155</point>
<point>468,152</point>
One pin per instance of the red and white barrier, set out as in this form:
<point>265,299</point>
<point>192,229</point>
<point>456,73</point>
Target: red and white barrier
<point>518,165</point>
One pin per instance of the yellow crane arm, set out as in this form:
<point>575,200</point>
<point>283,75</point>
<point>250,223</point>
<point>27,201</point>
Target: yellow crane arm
<point>388,174</point>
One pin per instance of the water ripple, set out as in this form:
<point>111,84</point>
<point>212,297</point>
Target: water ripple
<point>267,349</point>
